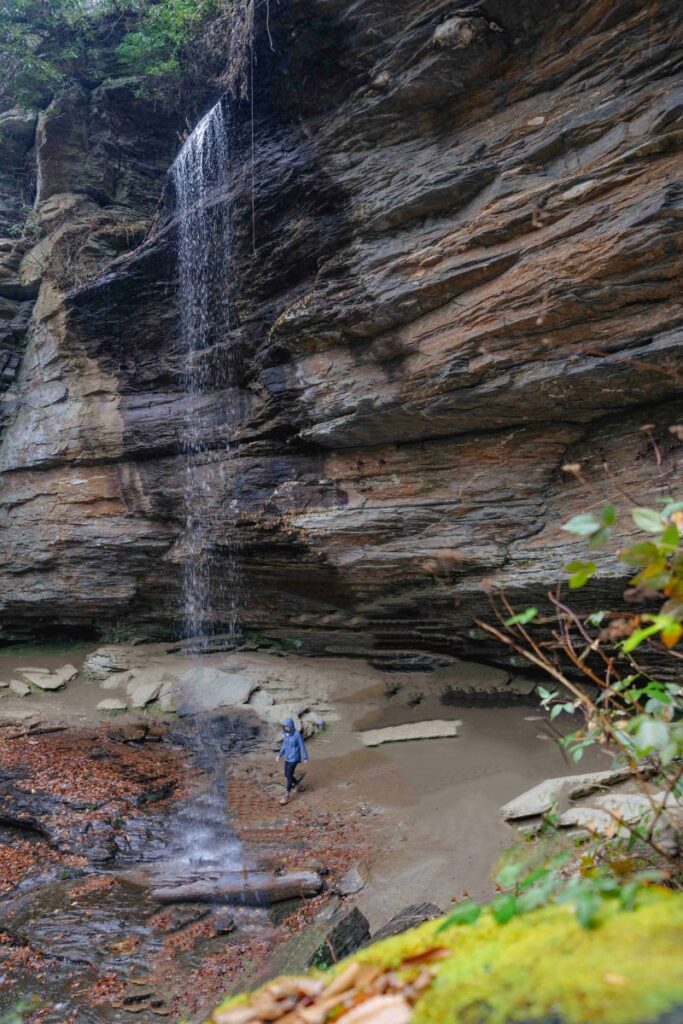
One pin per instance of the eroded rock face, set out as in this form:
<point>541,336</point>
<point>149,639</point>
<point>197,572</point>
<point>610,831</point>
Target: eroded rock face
<point>467,227</point>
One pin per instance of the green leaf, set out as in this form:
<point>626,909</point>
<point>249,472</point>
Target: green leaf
<point>533,877</point>
<point>508,875</point>
<point>671,537</point>
<point>658,624</point>
<point>504,908</point>
<point>587,908</point>
<point>639,554</point>
<point>528,615</point>
<point>609,515</point>
<point>636,638</point>
<point>583,525</point>
<point>651,735</point>
<point>581,572</point>
<point>464,913</point>
<point>595,618</point>
<point>648,519</point>
<point>672,506</point>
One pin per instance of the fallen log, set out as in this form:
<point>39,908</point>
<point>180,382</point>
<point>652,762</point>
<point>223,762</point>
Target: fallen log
<point>245,888</point>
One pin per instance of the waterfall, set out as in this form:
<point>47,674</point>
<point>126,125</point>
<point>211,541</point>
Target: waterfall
<point>202,836</point>
<point>211,577</point>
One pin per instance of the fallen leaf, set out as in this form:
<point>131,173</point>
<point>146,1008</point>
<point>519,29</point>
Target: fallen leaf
<point>429,955</point>
<point>237,1015</point>
<point>343,981</point>
<point>379,1010</point>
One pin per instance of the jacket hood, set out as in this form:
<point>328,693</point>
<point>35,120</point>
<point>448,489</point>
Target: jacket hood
<point>288,723</point>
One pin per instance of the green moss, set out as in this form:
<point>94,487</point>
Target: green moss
<point>544,964</point>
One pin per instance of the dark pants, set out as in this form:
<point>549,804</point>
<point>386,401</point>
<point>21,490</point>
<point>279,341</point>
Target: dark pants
<point>290,767</point>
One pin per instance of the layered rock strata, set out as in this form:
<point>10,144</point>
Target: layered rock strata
<point>462,273</point>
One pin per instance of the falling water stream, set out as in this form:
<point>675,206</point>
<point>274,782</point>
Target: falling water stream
<point>211,569</point>
<point>211,576</point>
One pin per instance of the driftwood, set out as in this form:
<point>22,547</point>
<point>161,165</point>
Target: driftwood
<point>247,888</point>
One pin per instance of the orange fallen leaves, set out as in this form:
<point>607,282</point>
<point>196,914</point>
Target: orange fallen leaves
<point>360,994</point>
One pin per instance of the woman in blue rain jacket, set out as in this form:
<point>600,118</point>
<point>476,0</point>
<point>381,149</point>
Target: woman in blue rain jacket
<point>294,751</point>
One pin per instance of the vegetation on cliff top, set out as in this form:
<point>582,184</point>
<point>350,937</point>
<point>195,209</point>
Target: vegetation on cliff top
<point>45,44</point>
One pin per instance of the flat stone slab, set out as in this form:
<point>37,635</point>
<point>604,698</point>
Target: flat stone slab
<point>112,704</point>
<point>19,687</point>
<point>433,730</point>
<point>592,819</point>
<point>67,672</point>
<point>628,807</point>
<point>143,693</point>
<point>546,794</point>
<point>206,689</point>
<point>46,679</point>
<point>43,680</point>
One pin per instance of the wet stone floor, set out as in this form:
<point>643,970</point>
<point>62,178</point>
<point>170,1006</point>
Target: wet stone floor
<point>81,813</point>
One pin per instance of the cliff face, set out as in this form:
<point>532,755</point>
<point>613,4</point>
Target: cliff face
<point>467,274</point>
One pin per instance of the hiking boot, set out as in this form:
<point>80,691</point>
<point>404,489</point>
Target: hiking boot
<point>285,800</point>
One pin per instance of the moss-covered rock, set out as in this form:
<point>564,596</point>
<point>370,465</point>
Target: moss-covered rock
<point>541,966</point>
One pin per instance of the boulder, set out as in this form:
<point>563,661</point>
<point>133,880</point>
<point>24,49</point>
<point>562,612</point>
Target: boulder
<point>142,693</point>
<point>43,680</point>
<point>48,679</point>
<point>629,807</point>
<point>592,819</point>
<point>167,701</point>
<point>112,704</point>
<point>223,922</point>
<point>541,798</point>
<point>350,882</point>
<point>205,689</point>
<point>410,917</point>
<point>346,932</point>
<point>114,681</point>
<point>67,672</point>
<point>261,700</point>
<point>410,731</point>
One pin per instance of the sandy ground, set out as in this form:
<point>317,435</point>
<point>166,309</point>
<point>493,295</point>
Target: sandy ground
<point>432,808</point>
<point>429,809</point>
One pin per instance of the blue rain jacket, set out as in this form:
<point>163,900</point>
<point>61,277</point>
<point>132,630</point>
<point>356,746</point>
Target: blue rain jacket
<point>293,746</point>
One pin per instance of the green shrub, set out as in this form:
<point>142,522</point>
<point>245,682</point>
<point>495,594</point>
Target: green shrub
<point>634,716</point>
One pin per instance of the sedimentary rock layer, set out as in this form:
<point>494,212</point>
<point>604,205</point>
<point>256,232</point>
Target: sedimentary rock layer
<point>462,273</point>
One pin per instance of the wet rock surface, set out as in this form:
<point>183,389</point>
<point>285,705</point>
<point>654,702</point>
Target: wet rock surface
<point>409,917</point>
<point>466,277</point>
<point>94,821</point>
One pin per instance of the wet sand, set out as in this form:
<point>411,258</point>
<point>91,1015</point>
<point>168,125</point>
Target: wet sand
<point>434,828</point>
